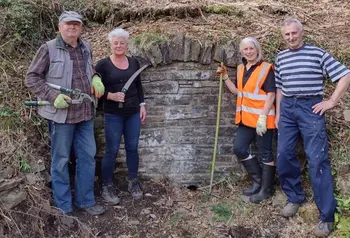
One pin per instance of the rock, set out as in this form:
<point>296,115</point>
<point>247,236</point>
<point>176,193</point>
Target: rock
<point>245,198</point>
<point>10,199</point>
<point>37,166</point>
<point>31,178</point>
<point>279,199</point>
<point>7,173</point>
<point>164,48</point>
<point>154,54</point>
<point>206,55</point>
<point>169,203</point>
<point>164,87</point>
<point>67,221</point>
<point>309,212</point>
<point>134,222</point>
<point>232,54</point>
<point>154,217</point>
<point>176,48</point>
<point>343,183</point>
<point>192,49</point>
<point>347,115</point>
<point>145,211</point>
<point>195,50</point>
<point>9,184</point>
<point>217,54</point>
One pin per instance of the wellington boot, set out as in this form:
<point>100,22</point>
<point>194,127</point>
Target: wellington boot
<point>266,190</point>
<point>254,170</point>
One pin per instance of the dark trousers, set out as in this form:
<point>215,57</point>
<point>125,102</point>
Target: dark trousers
<point>297,117</point>
<point>115,127</point>
<point>246,135</point>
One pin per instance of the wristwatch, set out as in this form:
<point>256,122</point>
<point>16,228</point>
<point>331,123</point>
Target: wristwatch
<point>142,104</point>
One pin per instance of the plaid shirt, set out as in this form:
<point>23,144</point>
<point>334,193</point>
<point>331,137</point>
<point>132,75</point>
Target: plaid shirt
<point>36,80</point>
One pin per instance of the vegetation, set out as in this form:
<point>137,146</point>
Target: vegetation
<point>222,211</point>
<point>144,40</point>
<point>223,9</point>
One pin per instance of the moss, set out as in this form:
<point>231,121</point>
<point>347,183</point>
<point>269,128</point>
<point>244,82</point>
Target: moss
<point>146,39</point>
<point>222,9</point>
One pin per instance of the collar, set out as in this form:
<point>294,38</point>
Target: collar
<point>244,61</point>
<point>60,43</point>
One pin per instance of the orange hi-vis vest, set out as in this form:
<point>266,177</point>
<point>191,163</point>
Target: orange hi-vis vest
<point>251,98</point>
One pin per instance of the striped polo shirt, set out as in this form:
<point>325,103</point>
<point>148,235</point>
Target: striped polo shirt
<point>301,72</point>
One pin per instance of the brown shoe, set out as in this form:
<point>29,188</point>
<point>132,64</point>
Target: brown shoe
<point>290,209</point>
<point>110,195</point>
<point>95,210</point>
<point>135,189</point>
<point>323,229</point>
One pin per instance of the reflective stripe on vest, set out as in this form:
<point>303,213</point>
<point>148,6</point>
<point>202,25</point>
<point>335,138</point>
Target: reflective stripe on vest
<point>253,110</point>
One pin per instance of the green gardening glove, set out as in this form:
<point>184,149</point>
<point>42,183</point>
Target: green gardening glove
<point>60,101</point>
<point>97,86</point>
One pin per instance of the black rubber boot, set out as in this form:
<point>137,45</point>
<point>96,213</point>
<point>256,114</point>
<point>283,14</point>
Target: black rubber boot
<point>267,189</point>
<point>254,170</point>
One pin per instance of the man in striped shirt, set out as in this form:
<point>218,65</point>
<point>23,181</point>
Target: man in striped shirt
<point>300,71</point>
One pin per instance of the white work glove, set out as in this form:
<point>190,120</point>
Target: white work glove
<point>261,125</point>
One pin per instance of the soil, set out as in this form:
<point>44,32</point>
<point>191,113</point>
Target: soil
<point>175,212</point>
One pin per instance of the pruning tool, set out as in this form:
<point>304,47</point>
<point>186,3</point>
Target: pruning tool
<point>129,82</point>
<point>77,96</point>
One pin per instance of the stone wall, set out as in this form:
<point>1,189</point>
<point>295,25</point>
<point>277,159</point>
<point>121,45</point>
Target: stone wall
<point>181,90</point>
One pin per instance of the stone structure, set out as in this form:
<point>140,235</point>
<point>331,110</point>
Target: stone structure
<point>181,90</point>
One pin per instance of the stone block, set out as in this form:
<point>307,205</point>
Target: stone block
<point>175,113</point>
<point>164,48</point>
<point>11,198</point>
<point>154,54</point>
<point>192,49</point>
<point>171,100</point>
<point>9,184</point>
<point>232,54</point>
<point>152,137</point>
<point>207,53</point>
<point>193,74</point>
<point>161,87</point>
<point>176,48</point>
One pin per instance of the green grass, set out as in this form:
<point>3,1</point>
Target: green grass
<point>176,218</point>
<point>146,39</point>
<point>222,211</point>
<point>9,119</point>
<point>24,166</point>
<point>222,9</point>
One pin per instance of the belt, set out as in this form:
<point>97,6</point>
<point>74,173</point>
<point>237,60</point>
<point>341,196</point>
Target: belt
<point>303,96</point>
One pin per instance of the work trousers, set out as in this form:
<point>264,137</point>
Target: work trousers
<point>297,118</point>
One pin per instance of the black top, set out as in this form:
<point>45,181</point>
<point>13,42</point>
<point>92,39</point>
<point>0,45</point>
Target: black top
<point>269,84</point>
<point>114,79</point>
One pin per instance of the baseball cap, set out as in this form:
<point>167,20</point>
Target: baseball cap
<point>70,16</point>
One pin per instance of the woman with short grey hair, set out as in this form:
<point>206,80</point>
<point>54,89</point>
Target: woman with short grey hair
<point>115,71</point>
<point>255,117</point>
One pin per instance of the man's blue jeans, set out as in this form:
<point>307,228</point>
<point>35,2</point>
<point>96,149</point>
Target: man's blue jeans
<point>81,136</point>
<point>115,127</point>
<point>297,117</point>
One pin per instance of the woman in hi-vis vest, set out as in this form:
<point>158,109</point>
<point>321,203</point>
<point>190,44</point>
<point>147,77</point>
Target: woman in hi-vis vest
<point>255,117</point>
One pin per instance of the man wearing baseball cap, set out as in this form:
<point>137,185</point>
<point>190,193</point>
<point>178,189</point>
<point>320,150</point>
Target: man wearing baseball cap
<point>67,61</point>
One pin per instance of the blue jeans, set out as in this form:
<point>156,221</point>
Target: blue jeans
<point>81,136</point>
<point>245,136</point>
<point>115,127</point>
<point>297,117</point>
